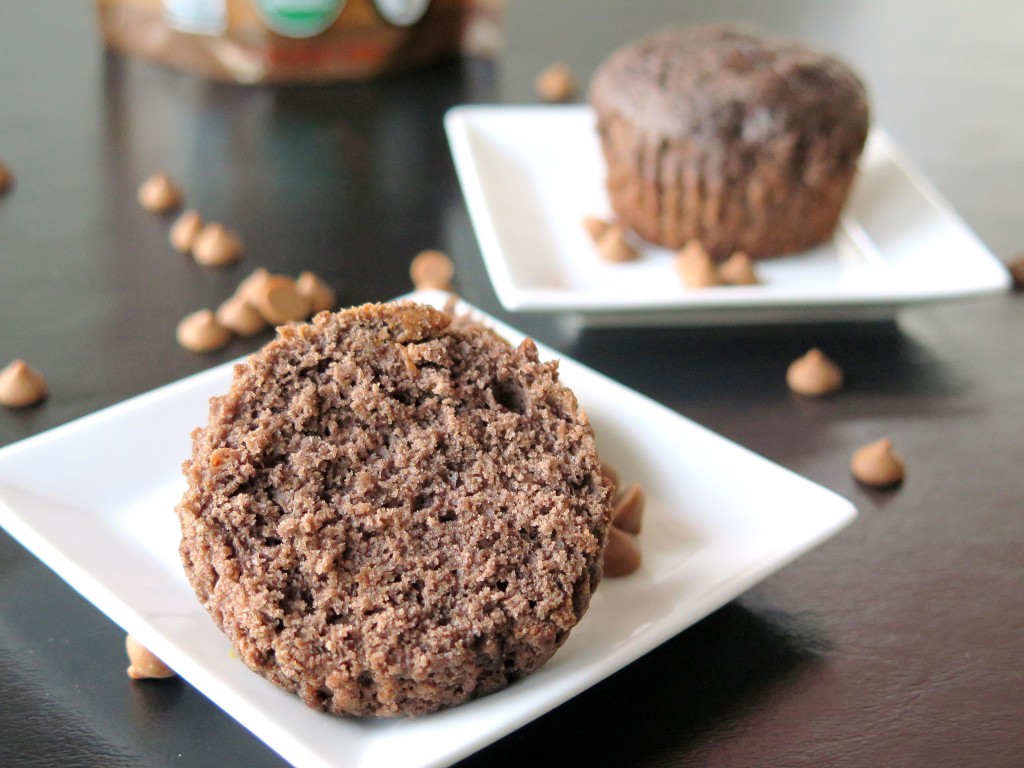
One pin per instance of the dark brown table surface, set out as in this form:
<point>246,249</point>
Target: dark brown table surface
<point>898,643</point>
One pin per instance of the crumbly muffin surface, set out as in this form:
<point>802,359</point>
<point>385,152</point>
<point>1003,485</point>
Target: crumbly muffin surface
<point>736,138</point>
<point>389,513</point>
<point>730,82</point>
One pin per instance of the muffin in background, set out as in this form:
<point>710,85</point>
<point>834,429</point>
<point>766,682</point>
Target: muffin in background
<point>720,133</point>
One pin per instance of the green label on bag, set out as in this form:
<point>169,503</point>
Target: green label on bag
<point>299,18</point>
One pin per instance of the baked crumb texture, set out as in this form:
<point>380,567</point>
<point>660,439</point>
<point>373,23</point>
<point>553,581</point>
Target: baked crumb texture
<point>389,513</point>
<point>719,133</point>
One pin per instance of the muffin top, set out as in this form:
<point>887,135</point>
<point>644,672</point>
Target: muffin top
<point>729,83</point>
<point>391,512</point>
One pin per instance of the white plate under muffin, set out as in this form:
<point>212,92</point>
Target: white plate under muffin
<point>530,174</point>
<point>104,521</point>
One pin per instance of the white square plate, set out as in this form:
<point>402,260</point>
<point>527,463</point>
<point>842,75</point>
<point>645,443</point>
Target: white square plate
<point>530,175</point>
<point>94,500</point>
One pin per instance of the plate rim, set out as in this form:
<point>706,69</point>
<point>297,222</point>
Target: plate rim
<point>255,715</point>
<point>461,120</point>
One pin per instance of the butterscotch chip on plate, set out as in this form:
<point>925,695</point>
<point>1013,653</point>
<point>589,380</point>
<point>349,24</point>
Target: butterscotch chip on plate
<point>159,194</point>
<point>390,539</point>
<point>628,510</point>
<point>814,375</point>
<point>595,227</point>
<point>21,385</point>
<point>696,267</point>
<point>556,83</point>
<point>878,464</point>
<point>738,270</point>
<point>612,245</point>
<point>216,246</point>
<point>622,557</point>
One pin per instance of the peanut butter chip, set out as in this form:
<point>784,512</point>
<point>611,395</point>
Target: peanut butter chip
<point>247,289</point>
<point>321,296</point>
<point>737,270</point>
<point>431,269</point>
<point>6,178</point>
<point>696,267</point>
<point>21,386</point>
<point>629,510</point>
<point>622,555</point>
<point>612,245</point>
<point>142,663</point>
<point>200,332</point>
<point>159,194</point>
<point>877,464</point>
<point>1016,268</point>
<point>277,298</point>
<point>595,227</point>
<point>814,375</point>
<point>556,83</point>
<point>239,316</point>
<point>185,230</point>
<point>216,245</point>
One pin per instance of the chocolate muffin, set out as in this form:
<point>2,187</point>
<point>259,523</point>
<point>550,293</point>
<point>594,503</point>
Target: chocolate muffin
<point>391,512</point>
<point>740,140</point>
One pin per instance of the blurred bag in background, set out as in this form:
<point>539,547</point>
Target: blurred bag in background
<point>300,41</point>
